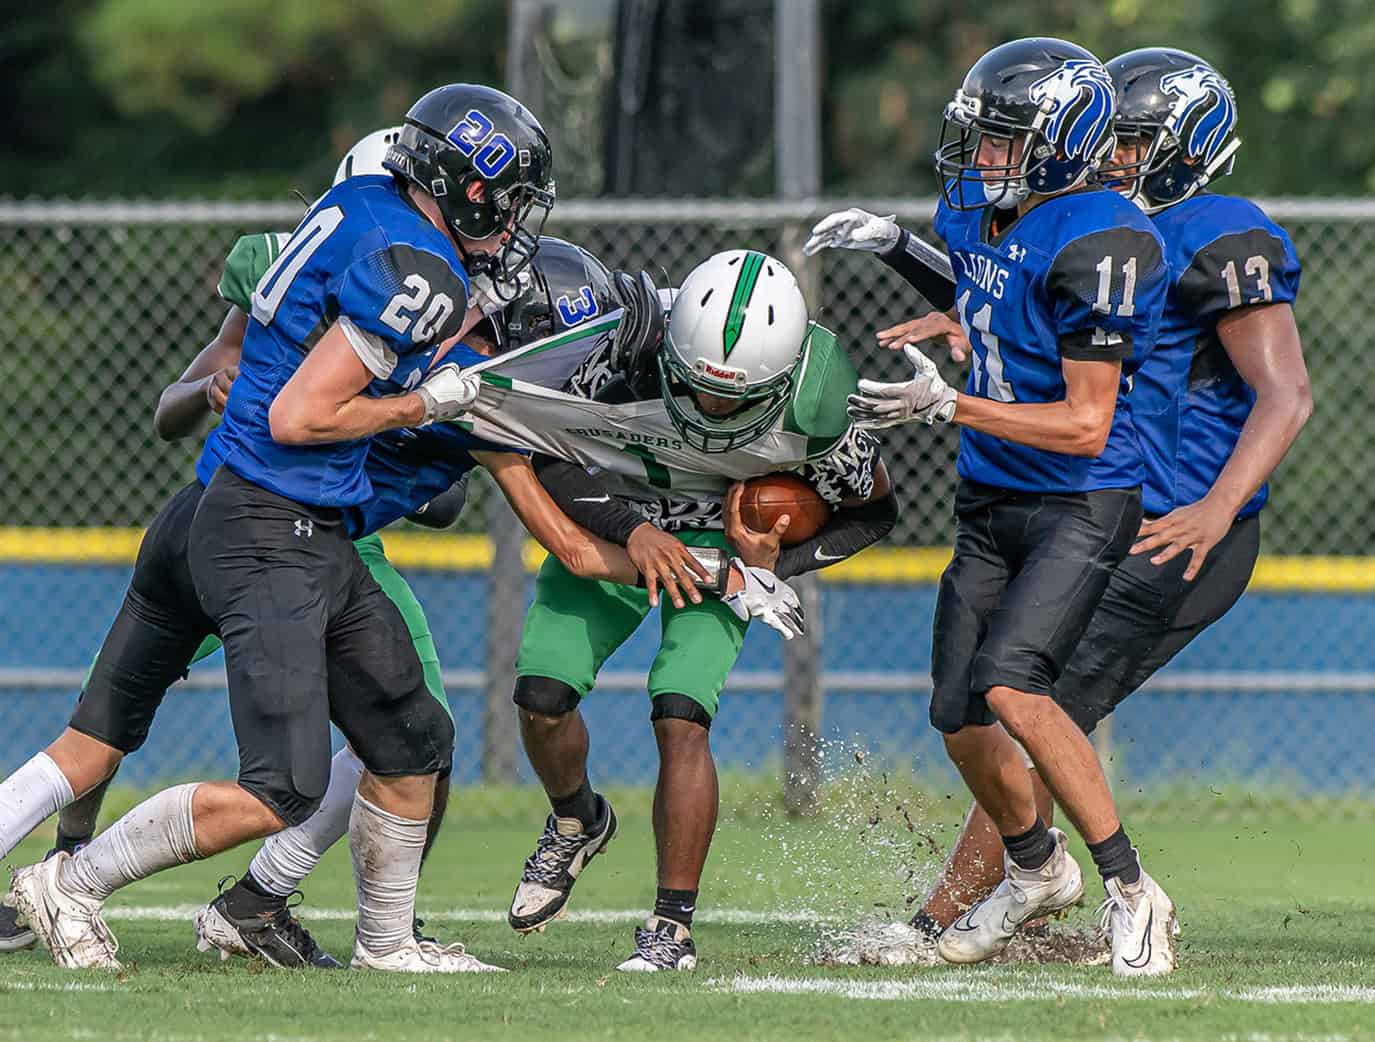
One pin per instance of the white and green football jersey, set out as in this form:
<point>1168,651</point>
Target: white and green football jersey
<point>637,453</point>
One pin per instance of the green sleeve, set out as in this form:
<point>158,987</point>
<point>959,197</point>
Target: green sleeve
<point>251,256</point>
<point>824,380</point>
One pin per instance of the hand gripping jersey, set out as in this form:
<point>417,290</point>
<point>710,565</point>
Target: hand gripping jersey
<point>1080,276</point>
<point>636,452</point>
<point>364,256</point>
<point>1189,401</point>
<point>406,468</point>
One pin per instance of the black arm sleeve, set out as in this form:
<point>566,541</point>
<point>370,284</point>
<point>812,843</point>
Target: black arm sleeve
<point>581,498</point>
<point>443,510</point>
<point>925,269</point>
<point>844,535</point>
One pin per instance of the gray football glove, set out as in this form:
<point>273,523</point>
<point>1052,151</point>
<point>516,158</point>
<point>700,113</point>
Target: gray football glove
<point>926,397</point>
<point>853,229</point>
<point>447,393</point>
<point>768,598</point>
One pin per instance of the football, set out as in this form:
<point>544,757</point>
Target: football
<point>767,498</point>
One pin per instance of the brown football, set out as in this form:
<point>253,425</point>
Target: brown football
<point>767,498</point>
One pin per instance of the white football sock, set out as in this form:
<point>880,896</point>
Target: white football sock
<point>386,864</point>
<point>159,833</point>
<point>29,797</point>
<point>287,857</point>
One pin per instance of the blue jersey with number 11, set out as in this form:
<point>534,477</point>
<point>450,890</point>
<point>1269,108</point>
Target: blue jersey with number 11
<point>366,258</point>
<point>1080,276</point>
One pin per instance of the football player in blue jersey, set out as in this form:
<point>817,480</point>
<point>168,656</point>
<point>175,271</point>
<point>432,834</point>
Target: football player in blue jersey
<point>1059,288</point>
<point>1217,405</point>
<point>378,281</point>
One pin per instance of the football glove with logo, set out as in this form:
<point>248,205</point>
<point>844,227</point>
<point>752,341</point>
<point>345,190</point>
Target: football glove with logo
<point>768,598</point>
<point>925,397</point>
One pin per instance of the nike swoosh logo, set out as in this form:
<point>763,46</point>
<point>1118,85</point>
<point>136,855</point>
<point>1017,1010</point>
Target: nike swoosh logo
<point>593,499</point>
<point>1144,955</point>
<point>768,587</point>
<point>827,557</point>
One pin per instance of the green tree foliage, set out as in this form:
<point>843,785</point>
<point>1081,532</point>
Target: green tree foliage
<point>245,98</point>
<point>230,98</point>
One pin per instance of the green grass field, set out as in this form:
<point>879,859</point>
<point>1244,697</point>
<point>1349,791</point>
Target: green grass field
<point>1278,916</point>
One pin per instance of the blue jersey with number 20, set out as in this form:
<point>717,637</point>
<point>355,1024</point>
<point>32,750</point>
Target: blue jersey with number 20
<point>365,257</point>
<point>1080,276</point>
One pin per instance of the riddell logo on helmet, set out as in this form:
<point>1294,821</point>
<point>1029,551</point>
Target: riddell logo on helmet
<point>729,376</point>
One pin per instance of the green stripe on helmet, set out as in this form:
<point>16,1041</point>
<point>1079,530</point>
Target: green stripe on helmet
<point>740,299</point>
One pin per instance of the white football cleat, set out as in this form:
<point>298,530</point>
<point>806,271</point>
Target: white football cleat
<point>1023,895</point>
<point>661,944</point>
<point>67,922</point>
<point>1140,918</point>
<point>422,957</point>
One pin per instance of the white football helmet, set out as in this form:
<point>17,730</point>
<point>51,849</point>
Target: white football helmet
<point>366,157</point>
<point>737,330</point>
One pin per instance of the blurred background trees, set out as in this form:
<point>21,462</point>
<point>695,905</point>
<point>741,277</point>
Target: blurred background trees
<point>251,98</point>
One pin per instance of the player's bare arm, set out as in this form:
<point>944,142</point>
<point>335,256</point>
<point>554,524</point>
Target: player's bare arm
<point>1263,343</point>
<point>581,553</point>
<point>1077,425</point>
<point>323,400</point>
<point>204,387</point>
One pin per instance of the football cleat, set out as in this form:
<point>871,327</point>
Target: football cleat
<point>561,854</point>
<point>422,957</point>
<point>661,944</point>
<point>1140,919</point>
<point>68,922</point>
<point>273,935</point>
<point>1023,895</point>
<point>13,937</point>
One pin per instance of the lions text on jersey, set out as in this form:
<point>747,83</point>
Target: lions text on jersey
<point>1080,276</point>
<point>364,256</point>
<point>1189,401</point>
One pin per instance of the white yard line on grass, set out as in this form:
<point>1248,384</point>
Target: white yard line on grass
<point>983,989</point>
<point>728,916</point>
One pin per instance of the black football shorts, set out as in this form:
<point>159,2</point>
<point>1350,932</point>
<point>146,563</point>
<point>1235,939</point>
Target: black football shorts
<point>1028,572</point>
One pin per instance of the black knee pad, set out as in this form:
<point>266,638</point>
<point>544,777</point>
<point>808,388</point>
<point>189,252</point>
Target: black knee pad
<point>275,789</point>
<point>671,706</point>
<point>545,695</point>
<point>415,737</point>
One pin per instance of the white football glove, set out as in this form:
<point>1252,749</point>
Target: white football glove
<point>925,397</point>
<point>853,229</point>
<point>491,296</point>
<point>447,393</point>
<point>768,598</point>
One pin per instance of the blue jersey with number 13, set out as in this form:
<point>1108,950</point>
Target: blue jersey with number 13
<point>365,257</point>
<point>1080,276</point>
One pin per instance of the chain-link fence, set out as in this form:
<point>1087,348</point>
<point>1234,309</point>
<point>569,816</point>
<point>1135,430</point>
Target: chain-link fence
<point>101,305</point>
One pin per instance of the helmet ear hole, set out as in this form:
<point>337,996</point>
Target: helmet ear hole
<point>476,191</point>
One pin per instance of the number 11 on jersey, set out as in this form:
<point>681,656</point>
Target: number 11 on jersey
<point>989,380</point>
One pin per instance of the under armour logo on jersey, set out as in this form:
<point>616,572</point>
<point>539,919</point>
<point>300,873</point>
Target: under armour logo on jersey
<point>1016,252</point>
<point>305,527</point>
<point>1205,113</point>
<point>1076,103</point>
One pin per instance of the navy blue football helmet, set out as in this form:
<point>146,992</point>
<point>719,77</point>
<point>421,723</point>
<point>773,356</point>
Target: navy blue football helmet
<point>1051,96</point>
<point>1178,118</point>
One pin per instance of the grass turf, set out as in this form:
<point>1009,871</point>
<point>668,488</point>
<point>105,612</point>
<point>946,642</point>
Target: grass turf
<point>1278,926</point>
